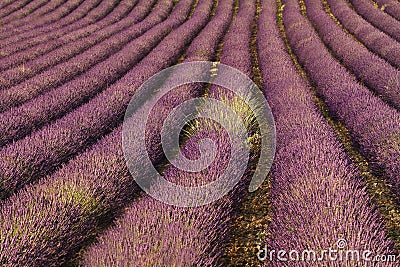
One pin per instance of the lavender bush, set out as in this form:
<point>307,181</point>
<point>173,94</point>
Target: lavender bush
<point>83,15</point>
<point>192,236</point>
<point>316,194</point>
<point>372,70</point>
<point>83,126</point>
<point>373,125</point>
<point>26,12</point>
<point>374,39</point>
<point>19,58</point>
<point>59,101</point>
<point>66,63</point>
<point>23,24</point>
<point>26,39</point>
<point>377,17</point>
<point>391,7</point>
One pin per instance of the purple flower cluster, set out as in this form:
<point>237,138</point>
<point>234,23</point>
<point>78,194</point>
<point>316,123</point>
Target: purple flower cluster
<point>316,195</point>
<point>392,7</point>
<point>371,69</point>
<point>374,39</point>
<point>73,59</point>
<point>373,125</point>
<point>20,121</point>
<point>85,193</point>
<point>28,20</point>
<point>86,13</point>
<point>202,48</point>
<point>9,6</point>
<point>29,11</point>
<point>377,17</point>
<point>44,150</point>
<point>153,233</point>
<point>21,57</point>
<point>63,71</point>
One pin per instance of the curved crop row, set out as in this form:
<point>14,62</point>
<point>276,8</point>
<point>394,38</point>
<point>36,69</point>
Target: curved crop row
<point>66,71</point>
<point>14,43</point>
<point>44,150</point>
<point>55,103</point>
<point>377,17</point>
<point>374,39</point>
<point>97,28</point>
<point>77,18</point>
<point>392,7</point>
<point>192,236</point>
<point>316,195</point>
<point>152,233</point>
<point>13,7</point>
<point>44,11</point>
<point>203,48</point>
<point>81,55</point>
<point>166,236</point>
<point>29,10</point>
<point>99,185</point>
<point>53,11</point>
<point>4,4</point>
<point>372,70</point>
<point>372,124</point>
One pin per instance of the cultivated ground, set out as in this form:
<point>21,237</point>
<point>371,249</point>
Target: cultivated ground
<point>69,190</point>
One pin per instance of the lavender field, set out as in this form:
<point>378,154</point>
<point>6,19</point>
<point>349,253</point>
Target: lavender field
<point>318,184</point>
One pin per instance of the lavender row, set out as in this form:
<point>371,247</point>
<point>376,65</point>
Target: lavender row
<point>316,194</point>
<point>38,10</point>
<point>372,124</point>
<point>98,184</point>
<point>207,40</point>
<point>19,58</point>
<point>44,150</point>
<point>377,17</point>
<point>236,50</point>
<point>372,70</point>
<point>192,236</point>
<point>81,53</point>
<point>13,6</point>
<point>83,11</point>
<point>157,229</point>
<point>35,36</point>
<point>96,56</point>
<point>153,233</point>
<point>202,48</point>
<point>46,11</point>
<point>72,204</point>
<point>28,10</point>
<point>52,11</point>
<point>20,121</point>
<point>392,7</point>
<point>102,74</point>
<point>374,39</point>
<point>124,9</point>
<point>4,4</point>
